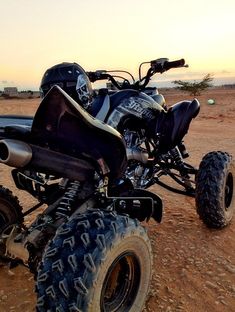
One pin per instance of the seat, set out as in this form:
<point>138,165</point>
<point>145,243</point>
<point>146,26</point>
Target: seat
<point>183,113</point>
<point>15,126</point>
<point>17,131</point>
<point>174,124</point>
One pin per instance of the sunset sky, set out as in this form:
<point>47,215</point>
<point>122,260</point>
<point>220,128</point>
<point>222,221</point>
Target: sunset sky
<point>120,34</point>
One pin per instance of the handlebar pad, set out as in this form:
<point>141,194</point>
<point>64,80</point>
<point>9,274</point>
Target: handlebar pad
<point>174,64</point>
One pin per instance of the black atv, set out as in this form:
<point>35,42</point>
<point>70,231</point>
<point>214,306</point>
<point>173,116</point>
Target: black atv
<point>88,249</point>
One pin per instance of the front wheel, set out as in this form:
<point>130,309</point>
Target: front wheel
<point>96,262</point>
<point>215,189</point>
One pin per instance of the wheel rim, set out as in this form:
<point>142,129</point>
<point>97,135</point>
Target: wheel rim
<point>228,191</point>
<point>121,284</point>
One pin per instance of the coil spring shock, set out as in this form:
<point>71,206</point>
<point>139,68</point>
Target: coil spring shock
<point>177,157</point>
<point>65,207</point>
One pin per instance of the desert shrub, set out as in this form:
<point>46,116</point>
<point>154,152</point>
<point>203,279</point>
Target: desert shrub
<point>194,88</point>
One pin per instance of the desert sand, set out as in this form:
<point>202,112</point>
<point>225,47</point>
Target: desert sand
<point>194,267</point>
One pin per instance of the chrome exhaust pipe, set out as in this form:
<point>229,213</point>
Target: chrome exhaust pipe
<point>136,154</point>
<point>19,154</point>
<point>15,153</point>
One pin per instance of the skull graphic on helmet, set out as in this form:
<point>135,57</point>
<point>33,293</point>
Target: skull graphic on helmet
<point>83,88</point>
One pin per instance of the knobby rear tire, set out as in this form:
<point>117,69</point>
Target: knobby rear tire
<point>96,262</point>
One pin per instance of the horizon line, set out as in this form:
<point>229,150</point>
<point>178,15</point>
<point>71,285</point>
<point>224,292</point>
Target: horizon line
<point>218,81</point>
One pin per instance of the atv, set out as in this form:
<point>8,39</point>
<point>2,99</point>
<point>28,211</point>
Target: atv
<point>88,249</point>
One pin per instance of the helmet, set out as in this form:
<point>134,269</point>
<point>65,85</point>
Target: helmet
<point>72,78</point>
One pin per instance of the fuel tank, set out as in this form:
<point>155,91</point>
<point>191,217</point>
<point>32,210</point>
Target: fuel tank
<point>131,103</point>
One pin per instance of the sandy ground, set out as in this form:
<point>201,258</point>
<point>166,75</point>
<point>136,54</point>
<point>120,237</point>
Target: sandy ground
<point>194,267</point>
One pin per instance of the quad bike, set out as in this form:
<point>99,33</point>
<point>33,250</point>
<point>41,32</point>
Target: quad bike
<point>154,138</point>
<point>155,148</point>
<point>87,249</point>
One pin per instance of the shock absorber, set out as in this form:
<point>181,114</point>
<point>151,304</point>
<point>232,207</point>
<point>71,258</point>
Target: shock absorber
<point>178,159</point>
<point>183,150</point>
<point>65,207</point>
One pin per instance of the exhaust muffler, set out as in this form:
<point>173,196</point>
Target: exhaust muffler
<point>19,154</point>
<point>15,153</point>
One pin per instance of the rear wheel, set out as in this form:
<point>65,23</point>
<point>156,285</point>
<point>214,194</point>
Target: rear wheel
<point>10,213</point>
<point>96,262</point>
<point>215,189</point>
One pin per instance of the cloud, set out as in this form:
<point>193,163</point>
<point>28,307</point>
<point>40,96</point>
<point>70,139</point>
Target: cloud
<point>4,82</point>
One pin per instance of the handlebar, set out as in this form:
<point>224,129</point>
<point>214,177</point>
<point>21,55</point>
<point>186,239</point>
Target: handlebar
<point>156,66</point>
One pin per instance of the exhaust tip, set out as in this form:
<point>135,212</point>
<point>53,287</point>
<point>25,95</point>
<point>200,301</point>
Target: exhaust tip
<point>4,153</point>
<point>15,153</point>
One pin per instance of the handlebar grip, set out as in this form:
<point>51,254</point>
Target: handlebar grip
<point>174,64</point>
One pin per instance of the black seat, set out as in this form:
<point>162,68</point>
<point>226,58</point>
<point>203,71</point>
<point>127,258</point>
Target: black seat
<point>19,132</point>
<point>15,126</point>
<point>183,113</point>
<point>174,124</point>
<point>66,127</point>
